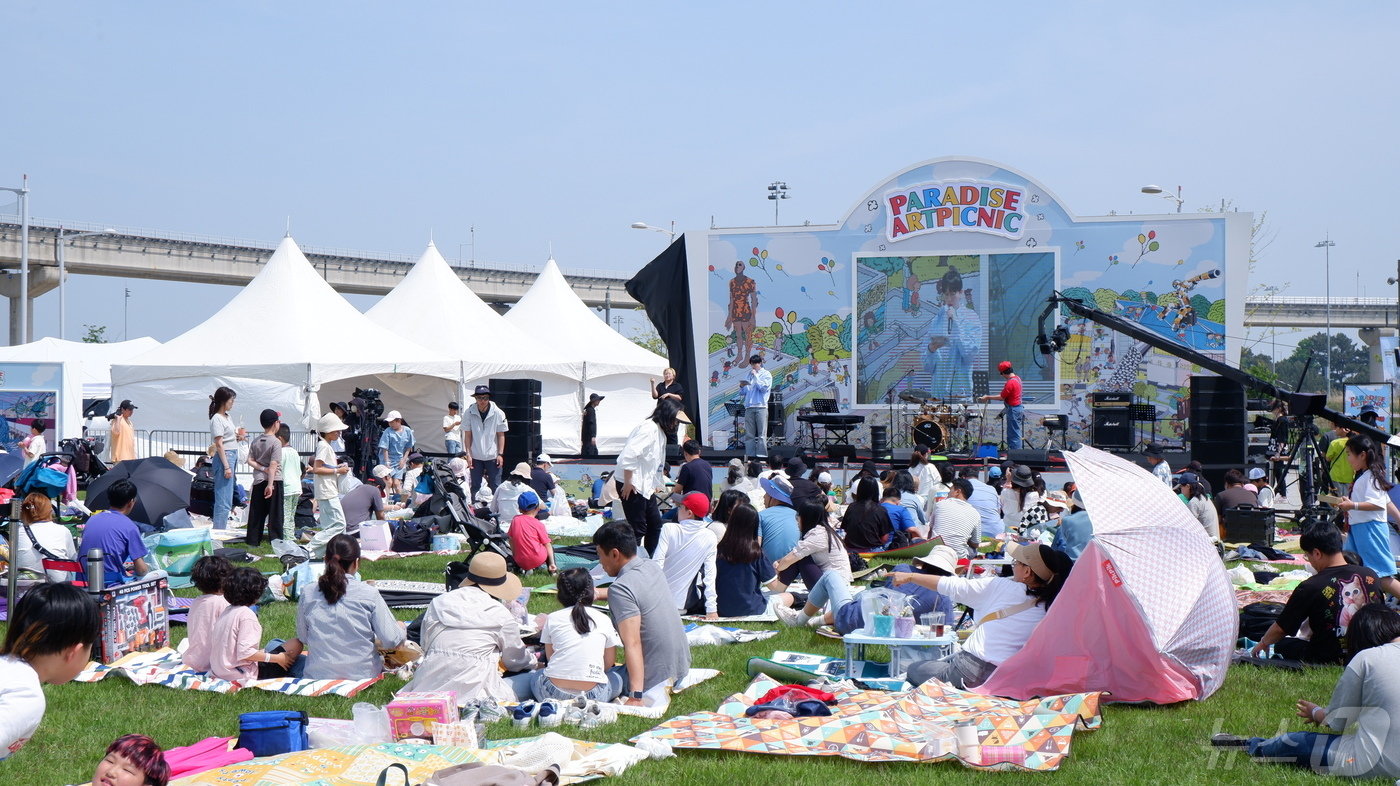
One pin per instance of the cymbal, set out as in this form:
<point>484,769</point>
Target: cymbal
<point>914,396</point>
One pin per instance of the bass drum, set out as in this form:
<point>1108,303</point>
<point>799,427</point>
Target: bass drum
<point>926,430</point>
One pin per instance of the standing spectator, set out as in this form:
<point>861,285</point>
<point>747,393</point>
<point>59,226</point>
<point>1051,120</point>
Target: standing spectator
<point>696,476</point>
<point>265,498</point>
<point>957,522</point>
<point>986,501</point>
<point>116,534</point>
<point>541,480</point>
<point>756,387</point>
<point>669,388</point>
<point>1010,396</point>
<point>529,541</point>
<point>395,443</point>
<point>485,436</point>
<point>225,438</point>
<point>292,473</point>
<point>686,555</point>
<point>1157,458</point>
<point>1341,472</point>
<point>1193,494</point>
<point>452,429</point>
<point>1234,494</point>
<point>645,615</point>
<point>35,445</point>
<point>638,475</point>
<point>48,641</point>
<point>1278,443</point>
<point>1366,506</point>
<point>327,469</point>
<point>342,621</point>
<point>590,424</point>
<point>42,538</point>
<point>123,434</point>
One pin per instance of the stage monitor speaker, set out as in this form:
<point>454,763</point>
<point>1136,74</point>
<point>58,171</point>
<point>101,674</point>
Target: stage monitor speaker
<point>784,452</point>
<point>777,422</point>
<point>1035,459</point>
<point>839,452</point>
<point>1112,429</point>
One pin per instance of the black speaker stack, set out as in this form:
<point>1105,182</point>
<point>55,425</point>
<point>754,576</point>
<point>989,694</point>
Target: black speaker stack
<point>1112,429</point>
<point>520,400</point>
<point>1219,429</point>
<point>777,419</point>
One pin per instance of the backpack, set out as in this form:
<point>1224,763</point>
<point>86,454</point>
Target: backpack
<point>414,534</point>
<point>1256,618</point>
<point>46,480</point>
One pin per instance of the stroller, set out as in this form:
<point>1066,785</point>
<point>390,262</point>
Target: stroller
<point>85,455</point>
<point>449,499</point>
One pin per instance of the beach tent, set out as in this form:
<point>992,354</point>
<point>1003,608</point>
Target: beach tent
<point>434,307</point>
<point>84,373</point>
<point>613,366</point>
<point>281,338</point>
<point>1148,612</point>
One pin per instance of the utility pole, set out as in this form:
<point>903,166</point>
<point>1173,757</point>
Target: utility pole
<point>126,301</point>
<point>1326,246</point>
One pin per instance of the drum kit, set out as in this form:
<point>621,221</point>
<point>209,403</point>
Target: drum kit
<point>944,424</point>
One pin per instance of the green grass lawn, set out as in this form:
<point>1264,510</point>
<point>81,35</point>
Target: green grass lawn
<point>1134,745</point>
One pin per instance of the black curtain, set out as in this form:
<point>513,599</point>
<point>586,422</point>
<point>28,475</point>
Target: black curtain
<point>663,289</point>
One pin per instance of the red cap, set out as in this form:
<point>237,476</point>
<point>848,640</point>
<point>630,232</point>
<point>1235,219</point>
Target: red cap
<point>697,503</point>
<point>1004,366</point>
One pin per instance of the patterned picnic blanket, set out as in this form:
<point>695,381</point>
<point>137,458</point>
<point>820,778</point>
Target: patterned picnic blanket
<point>914,725</point>
<point>1244,597</point>
<point>164,667</point>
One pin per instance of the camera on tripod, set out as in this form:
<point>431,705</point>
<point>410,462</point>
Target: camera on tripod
<point>369,403</point>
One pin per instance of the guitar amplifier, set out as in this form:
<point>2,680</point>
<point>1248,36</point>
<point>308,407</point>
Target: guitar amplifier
<point>1112,429</point>
<point>1110,400</point>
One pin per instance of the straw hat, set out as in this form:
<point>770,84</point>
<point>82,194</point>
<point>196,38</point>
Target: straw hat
<point>488,571</point>
<point>522,469</point>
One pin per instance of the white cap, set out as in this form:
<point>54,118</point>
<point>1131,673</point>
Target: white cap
<point>544,459</point>
<point>392,414</point>
<point>824,477</point>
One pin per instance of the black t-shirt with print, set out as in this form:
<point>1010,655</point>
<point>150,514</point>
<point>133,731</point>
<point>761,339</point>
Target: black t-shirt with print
<point>1328,601</point>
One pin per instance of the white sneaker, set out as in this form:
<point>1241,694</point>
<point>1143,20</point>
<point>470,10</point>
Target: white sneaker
<point>574,711</point>
<point>788,616</point>
<point>598,714</point>
<point>551,714</point>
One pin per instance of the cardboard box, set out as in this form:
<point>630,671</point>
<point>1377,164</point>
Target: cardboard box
<point>412,715</point>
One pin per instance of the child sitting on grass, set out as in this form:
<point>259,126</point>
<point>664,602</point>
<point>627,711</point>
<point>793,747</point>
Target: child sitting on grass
<point>235,653</point>
<point>528,538</point>
<point>580,643</point>
<point>50,635</point>
<point>132,760</point>
<point>208,575</point>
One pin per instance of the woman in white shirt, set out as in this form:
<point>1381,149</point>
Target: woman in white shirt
<point>580,645</point>
<point>225,438</point>
<point>1007,611</point>
<point>638,473</point>
<point>1366,508</point>
<point>503,503</point>
<point>39,533</point>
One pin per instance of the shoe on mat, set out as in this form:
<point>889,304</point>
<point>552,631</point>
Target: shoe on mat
<point>788,616</point>
<point>551,714</point>
<point>521,714</point>
<point>1229,741</point>
<point>573,711</point>
<point>598,714</point>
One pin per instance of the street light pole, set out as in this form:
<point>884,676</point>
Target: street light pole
<point>1326,246</point>
<point>645,225</point>
<point>777,190</point>
<point>62,249</point>
<point>23,192</point>
<point>1158,190</point>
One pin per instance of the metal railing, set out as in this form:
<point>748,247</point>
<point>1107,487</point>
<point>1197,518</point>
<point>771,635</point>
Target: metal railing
<point>1290,300</point>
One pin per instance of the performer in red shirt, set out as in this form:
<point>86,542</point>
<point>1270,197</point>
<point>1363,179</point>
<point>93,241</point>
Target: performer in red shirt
<point>1010,395</point>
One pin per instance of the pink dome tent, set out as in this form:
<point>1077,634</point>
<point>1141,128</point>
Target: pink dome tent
<point>1148,614</point>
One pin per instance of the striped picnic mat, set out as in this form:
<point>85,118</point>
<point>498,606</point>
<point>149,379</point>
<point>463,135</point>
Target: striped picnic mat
<point>164,667</point>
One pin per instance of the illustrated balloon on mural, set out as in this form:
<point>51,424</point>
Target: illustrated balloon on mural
<point>791,317</point>
<point>829,265</point>
<point>778,312</point>
<point>805,292</point>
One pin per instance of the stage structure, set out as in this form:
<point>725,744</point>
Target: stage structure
<point>936,275</point>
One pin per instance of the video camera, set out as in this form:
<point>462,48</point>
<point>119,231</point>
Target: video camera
<point>368,402</point>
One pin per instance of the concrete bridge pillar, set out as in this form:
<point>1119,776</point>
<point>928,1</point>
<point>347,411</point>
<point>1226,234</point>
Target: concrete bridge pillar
<point>1371,337</point>
<point>41,279</point>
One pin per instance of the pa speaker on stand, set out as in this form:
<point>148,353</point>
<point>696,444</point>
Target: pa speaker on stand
<point>880,443</point>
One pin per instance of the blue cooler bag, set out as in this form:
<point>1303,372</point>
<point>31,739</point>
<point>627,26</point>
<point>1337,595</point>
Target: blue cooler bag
<point>272,733</point>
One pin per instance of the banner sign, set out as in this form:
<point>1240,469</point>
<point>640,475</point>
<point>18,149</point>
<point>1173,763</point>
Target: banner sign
<point>1376,395</point>
<point>944,205</point>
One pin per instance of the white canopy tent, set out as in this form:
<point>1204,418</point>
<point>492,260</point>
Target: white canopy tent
<point>433,306</point>
<point>86,371</point>
<point>613,365</point>
<point>281,338</point>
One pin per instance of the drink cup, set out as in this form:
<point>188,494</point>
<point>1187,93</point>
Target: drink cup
<point>903,627</point>
<point>936,626</point>
<point>884,625</point>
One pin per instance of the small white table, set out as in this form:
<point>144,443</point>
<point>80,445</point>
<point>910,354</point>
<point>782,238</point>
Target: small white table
<point>856,642</point>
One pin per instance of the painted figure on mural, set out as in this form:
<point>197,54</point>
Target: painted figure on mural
<point>911,288</point>
<point>955,334</point>
<point>743,306</point>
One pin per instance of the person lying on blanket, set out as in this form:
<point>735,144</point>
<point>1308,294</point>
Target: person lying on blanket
<point>132,760</point>
<point>1362,741</point>
<point>1007,611</point>
<point>830,601</point>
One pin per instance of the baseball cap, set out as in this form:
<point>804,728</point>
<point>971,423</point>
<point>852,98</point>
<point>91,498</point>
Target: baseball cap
<point>1188,479</point>
<point>381,471</point>
<point>698,504</point>
<point>268,417</point>
<point>544,459</point>
<point>126,404</point>
<point>1256,473</point>
<point>527,500</point>
<point>481,390</point>
<point>458,467</point>
<point>1004,366</point>
<point>993,473</point>
<point>392,414</point>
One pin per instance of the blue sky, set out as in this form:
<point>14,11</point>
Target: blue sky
<point>371,125</point>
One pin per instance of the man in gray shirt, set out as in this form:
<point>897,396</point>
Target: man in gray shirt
<point>362,503</point>
<point>265,498</point>
<point>645,615</point>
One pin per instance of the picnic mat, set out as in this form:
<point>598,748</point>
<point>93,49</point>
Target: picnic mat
<point>910,726</point>
<point>360,765</point>
<point>1244,597</point>
<point>699,635</point>
<point>399,594</point>
<point>164,667</point>
<point>767,616</point>
<point>802,666</point>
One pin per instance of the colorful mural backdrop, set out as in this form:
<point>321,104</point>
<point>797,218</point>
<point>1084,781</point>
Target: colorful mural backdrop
<point>940,273</point>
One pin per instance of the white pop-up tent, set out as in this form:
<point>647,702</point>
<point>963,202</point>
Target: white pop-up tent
<point>84,372</point>
<point>275,343</point>
<point>434,307</point>
<point>614,366</point>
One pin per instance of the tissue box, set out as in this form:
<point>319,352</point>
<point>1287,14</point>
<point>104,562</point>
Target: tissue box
<point>412,715</point>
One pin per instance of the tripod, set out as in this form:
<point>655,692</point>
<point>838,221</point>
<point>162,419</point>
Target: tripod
<point>1313,465</point>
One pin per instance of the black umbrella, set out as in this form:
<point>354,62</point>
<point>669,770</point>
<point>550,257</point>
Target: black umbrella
<point>161,488</point>
<point>10,465</point>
